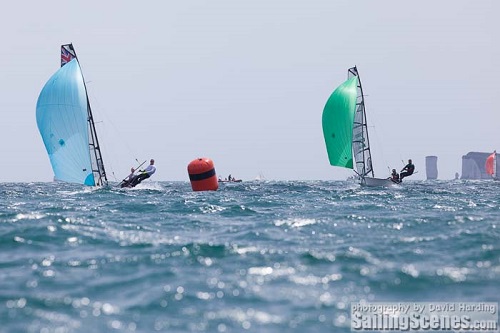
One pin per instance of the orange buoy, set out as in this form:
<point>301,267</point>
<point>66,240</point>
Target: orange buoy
<point>202,175</point>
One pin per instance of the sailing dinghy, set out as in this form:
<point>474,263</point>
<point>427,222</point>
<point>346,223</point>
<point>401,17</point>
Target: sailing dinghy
<point>66,124</point>
<point>346,132</point>
<point>491,165</point>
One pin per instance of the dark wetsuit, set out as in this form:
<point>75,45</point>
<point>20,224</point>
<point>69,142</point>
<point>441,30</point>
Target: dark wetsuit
<point>407,171</point>
<point>148,172</point>
<point>395,177</point>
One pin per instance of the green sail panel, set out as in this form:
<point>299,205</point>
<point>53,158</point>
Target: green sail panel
<point>338,120</point>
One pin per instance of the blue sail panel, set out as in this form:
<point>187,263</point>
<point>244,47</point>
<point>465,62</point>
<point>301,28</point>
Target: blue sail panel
<point>61,116</point>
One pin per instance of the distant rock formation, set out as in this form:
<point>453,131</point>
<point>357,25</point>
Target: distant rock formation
<point>473,165</point>
<point>431,169</point>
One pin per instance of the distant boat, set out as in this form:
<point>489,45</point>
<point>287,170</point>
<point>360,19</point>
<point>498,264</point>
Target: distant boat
<point>260,177</point>
<point>491,166</point>
<point>346,132</point>
<point>229,181</point>
<point>474,165</point>
<point>66,124</point>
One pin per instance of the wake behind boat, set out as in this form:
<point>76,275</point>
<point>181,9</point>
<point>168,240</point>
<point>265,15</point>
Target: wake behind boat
<point>345,131</point>
<point>64,119</point>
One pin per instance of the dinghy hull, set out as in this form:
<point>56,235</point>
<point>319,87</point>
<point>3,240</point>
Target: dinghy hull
<point>381,182</point>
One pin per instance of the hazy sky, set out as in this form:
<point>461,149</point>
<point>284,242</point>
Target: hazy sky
<point>245,82</point>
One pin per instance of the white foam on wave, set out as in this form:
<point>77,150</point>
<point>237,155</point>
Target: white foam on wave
<point>263,271</point>
<point>28,216</point>
<point>246,249</point>
<point>295,222</point>
<point>147,186</point>
<point>246,317</point>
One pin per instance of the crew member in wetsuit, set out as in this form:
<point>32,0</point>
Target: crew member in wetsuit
<point>394,176</point>
<point>128,179</point>
<point>145,174</point>
<point>407,170</point>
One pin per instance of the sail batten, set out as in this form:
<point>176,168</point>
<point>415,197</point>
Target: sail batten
<point>361,144</point>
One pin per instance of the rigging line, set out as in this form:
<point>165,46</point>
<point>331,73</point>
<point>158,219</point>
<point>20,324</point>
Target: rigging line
<point>100,150</point>
<point>107,121</point>
<point>379,144</point>
<point>121,136</point>
<point>114,176</point>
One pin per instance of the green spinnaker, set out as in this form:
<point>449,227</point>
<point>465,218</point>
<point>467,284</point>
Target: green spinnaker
<point>338,120</point>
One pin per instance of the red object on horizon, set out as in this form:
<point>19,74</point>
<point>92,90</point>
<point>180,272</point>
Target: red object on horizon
<point>490,164</point>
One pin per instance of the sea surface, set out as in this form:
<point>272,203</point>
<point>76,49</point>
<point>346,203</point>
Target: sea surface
<point>257,256</point>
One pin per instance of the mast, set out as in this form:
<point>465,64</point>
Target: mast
<point>67,54</point>
<point>361,142</point>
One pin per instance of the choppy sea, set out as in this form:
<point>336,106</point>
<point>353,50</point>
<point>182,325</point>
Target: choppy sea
<point>267,256</point>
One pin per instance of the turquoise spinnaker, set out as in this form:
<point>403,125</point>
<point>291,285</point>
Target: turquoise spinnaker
<point>62,119</point>
<point>338,122</point>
